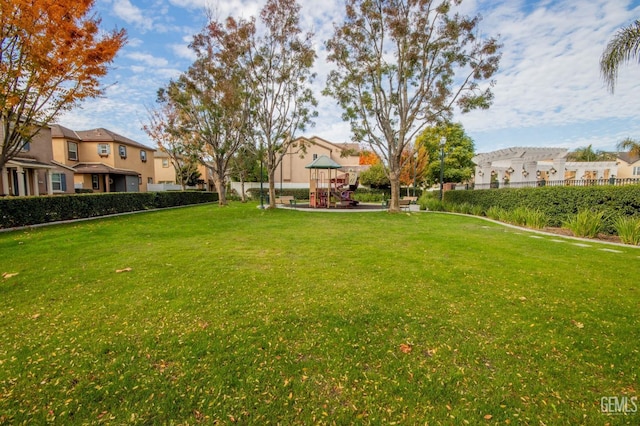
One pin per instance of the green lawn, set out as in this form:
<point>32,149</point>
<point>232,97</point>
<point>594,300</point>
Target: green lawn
<point>242,315</point>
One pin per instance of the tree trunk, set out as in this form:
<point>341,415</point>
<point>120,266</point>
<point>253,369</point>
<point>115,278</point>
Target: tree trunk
<point>243,195</point>
<point>272,189</point>
<point>221,188</point>
<point>394,203</point>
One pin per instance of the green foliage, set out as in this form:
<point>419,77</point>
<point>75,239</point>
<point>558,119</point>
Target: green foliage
<point>431,204</point>
<point>587,223</point>
<point>458,152</point>
<point>558,202</point>
<point>25,211</point>
<point>373,195</point>
<point>628,229</point>
<point>375,177</point>
<point>495,213</point>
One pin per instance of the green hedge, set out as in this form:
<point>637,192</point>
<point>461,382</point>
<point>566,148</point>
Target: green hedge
<point>558,203</point>
<point>27,211</point>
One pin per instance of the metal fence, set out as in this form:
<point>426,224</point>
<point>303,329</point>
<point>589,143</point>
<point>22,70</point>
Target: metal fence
<point>565,182</point>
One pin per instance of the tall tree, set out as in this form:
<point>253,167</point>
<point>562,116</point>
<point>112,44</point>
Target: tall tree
<point>164,129</point>
<point>458,152</point>
<point>631,145</point>
<point>52,55</point>
<point>213,97</point>
<point>623,47</point>
<point>280,74</point>
<point>403,65</point>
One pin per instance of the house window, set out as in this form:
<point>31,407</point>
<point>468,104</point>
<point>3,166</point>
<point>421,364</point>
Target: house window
<point>26,147</point>
<point>143,156</point>
<point>315,156</point>
<point>72,151</point>
<point>95,181</point>
<point>149,180</point>
<point>103,149</point>
<point>122,150</point>
<point>59,182</point>
<point>636,171</point>
<point>165,162</point>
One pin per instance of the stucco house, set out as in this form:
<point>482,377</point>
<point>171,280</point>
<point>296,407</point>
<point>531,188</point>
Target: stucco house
<point>628,166</point>
<point>165,173</point>
<point>102,160</point>
<point>292,170</point>
<point>34,172</point>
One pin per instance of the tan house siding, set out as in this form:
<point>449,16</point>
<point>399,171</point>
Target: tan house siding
<point>165,172</point>
<point>627,165</point>
<point>293,171</point>
<point>99,166</point>
<point>33,171</point>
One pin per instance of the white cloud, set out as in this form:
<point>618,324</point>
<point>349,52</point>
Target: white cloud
<point>132,14</point>
<point>148,59</point>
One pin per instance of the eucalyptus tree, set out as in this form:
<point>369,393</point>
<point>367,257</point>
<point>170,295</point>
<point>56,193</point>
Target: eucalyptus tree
<point>623,47</point>
<point>279,73</point>
<point>213,97</point>
<point>402,65</point>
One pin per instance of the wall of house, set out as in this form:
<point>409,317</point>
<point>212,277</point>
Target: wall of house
<point>133,161</point>
<point>164,174</point>
<point>292,170</point>
<point>625,170</point>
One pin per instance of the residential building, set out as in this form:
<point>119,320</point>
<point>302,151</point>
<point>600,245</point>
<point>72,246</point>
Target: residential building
<point>34,172</point>
<point>293,171</point>
<point>165,173</point>
<point>104,161</point>
<point>628,166</point>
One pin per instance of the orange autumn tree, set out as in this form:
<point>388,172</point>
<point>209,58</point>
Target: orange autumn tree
<point>414,165</point>
<point>368,158</point>
<point>52,54</point>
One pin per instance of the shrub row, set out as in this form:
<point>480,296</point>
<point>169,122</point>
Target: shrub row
<point>27,211</point>
<point>558,204</point>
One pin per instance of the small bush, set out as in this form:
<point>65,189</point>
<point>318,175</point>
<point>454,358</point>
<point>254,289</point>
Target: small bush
<point>628,229</point>
<point>586,223</point>
<point>495,213</point>
<point>431,204</point>
<point>536,219</point>
<point>477,210</point>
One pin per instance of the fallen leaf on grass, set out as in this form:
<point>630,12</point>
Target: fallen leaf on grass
<point>123,270</point>
<point>6,275</point>
<point>404,348</point>
<point>488,416</point>
<point>577,324</point>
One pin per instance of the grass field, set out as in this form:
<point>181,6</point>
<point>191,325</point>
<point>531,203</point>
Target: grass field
<point>235,314</point>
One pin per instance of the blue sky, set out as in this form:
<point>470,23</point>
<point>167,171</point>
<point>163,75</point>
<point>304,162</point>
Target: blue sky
<point>548,93</point>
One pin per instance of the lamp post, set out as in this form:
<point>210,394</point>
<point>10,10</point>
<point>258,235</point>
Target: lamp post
<point>443,140</point>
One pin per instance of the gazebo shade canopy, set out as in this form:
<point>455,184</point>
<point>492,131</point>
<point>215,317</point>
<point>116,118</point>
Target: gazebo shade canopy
<point>323,162</point>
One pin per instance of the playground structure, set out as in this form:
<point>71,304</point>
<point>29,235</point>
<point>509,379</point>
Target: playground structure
<point>327,190</point>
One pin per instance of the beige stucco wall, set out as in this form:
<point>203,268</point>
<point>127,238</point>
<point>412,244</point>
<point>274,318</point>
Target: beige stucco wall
<point>625,170</point>
<point>292,169</point>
